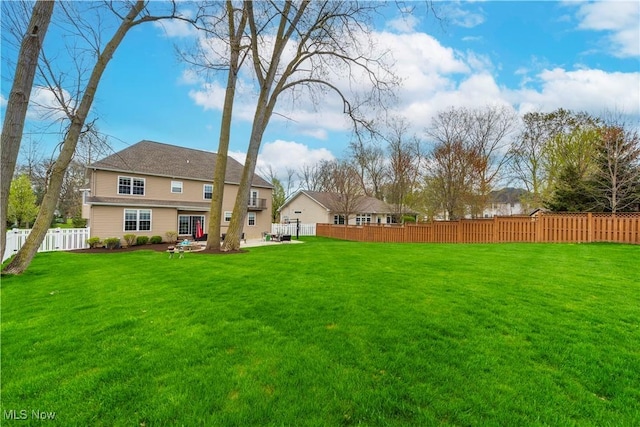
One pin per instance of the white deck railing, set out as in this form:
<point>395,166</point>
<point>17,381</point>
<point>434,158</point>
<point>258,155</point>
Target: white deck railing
<point>305,229</point>
<point>57,239</point>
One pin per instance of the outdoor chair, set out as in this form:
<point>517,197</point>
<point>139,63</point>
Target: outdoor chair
<point>285,238</point>
<point>225,235</point>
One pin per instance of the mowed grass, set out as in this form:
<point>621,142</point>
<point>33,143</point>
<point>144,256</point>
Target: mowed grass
<point>328,333</point>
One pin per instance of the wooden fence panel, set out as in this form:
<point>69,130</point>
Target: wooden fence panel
<point>550,228</point>
<point>445,232</point>
<point>477,231</point>
<point>419,233</point>
<point>616,228</point>
<point>564,228</point>
<point>515,229</point>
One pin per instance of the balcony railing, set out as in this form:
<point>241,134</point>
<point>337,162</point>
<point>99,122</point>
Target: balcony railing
<point>257,204</point>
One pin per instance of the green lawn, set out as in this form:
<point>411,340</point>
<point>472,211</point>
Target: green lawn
<point>327,333</point>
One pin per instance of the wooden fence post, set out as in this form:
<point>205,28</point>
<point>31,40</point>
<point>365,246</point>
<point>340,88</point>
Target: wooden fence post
<point>539,218</point>
<point>589,227</point>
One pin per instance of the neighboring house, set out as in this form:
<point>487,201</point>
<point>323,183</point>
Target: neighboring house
<point>151,188</point>
<point>318,207</point>
<point>505,202</point>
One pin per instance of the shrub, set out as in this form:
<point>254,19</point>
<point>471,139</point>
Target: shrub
<point>142,240</point>
<point>154,240</point>
<point>112,242</point>
<point>408,219</point>
<point>79,222</point>
<point>172,236</point>
<point>93,242</point>
<point>130,239</point>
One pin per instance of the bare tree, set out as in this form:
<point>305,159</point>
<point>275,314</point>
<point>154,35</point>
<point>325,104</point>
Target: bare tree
<point>616,181</point>
<point>490,133</point>
<point>294,47</point>
<point>450,163</point>
<point>92,146</point>
<point>70,204</point>
<point>314,177</point>
<point>344,185</point>
<point>527,157</point>
<point>372,167</point>
<point>18,101</point>
<point>405,159</point>
<point>76,113</point>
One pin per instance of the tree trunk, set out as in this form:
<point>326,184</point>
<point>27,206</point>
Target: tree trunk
<point>215,215</point>
<point>18,102</point>
<point>25,255</point>
<point>234,232</point>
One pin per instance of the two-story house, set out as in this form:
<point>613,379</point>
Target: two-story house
<point>151,188</point>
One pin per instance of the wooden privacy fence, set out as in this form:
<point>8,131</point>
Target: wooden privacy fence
<point>543,228</point>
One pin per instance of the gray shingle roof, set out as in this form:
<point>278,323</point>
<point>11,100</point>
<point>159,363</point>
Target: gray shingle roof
<point>155,158</point>
<point>365,204</point>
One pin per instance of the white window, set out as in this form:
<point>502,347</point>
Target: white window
<point>176,186</point>
<point>251,218</point>
<point>137,220</point>
<point>227,216</point>
<point>131,186</point>
<point>363,219</point>
<point>338,219</point>
<point>207,191</point>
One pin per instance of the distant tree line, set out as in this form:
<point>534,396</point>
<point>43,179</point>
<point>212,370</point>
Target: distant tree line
<point>565,161</point>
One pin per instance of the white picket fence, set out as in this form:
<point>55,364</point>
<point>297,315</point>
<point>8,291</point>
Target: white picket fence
<point>57,239</point>
<point>305,229</point>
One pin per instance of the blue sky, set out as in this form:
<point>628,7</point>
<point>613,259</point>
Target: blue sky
<point>544,55</point>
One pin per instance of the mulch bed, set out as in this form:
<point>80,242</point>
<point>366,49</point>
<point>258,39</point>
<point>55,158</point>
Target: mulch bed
<point>160,247</point>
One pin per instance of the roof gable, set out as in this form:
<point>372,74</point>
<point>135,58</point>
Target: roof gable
<point>155,158</point>
<point>330,201</point>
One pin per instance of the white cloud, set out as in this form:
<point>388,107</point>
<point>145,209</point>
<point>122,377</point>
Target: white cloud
<point>3,101</point>
<point>176,28</point>
<point>317,133</point>
<point>43,104</point>
<point>460,16</point>
<point>190,77</point>
<point>210,96</point>
<point>282,155</point>
<point>434,77</point>
<point>240,156</point>
<point>592,91</point>
<point>620,18</point>
<point>403,24</point>
<point>279,156</point>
